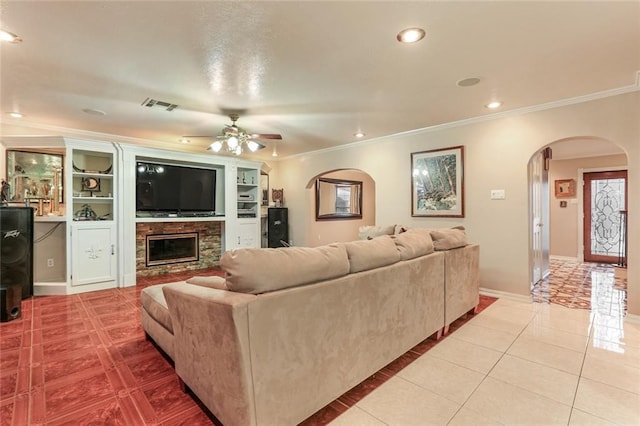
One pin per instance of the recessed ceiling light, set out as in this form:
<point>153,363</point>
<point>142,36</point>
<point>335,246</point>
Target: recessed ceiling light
<point>92,111</point>
<point>410,35</point>
<point>9,37</point>
<point>494,105</point>
<point>468,82</point>
<point>358,135</point>
<point>16,114</point>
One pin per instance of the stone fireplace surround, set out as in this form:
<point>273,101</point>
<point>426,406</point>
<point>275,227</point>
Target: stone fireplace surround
<point>209,246</point>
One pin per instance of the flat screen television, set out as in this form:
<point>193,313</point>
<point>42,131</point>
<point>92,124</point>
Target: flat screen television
<point>169,188</point>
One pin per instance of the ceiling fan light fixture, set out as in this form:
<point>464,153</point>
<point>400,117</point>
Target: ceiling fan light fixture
<point>232,141</point>
<point>216,146</point>
<point>238,150</point>
<point>253,146</point>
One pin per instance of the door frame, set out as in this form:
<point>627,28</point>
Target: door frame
<point>580,200</point>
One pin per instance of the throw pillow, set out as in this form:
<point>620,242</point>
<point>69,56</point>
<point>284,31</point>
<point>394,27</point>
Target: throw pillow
<point>369,232</point>
<point>447,239</point>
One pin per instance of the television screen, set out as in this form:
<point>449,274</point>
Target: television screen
<point>174,189</point>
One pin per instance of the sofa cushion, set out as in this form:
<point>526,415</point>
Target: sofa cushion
<point>413,243</point>
<point>253,270</point>
<point>447,239</point>
<point>153,301</point>
<point>369,232</point>
<point>210,281</point>
<point>370,254</point>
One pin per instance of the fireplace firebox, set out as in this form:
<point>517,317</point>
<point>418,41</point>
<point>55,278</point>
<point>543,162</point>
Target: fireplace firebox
<point>164,249</point>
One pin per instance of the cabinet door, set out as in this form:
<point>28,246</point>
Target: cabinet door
<point>93,254</point>
<point>248,234</point>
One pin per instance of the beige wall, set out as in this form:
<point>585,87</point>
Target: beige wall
<point>496,156</point>
<point>329,231</point>
<point>565,221</point>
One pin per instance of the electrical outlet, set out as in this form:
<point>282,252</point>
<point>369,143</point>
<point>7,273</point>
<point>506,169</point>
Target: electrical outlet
<point>50,263</point>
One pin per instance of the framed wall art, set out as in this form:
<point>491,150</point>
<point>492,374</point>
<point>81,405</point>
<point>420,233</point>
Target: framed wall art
<point>437,182</point>
<point>565,188</point>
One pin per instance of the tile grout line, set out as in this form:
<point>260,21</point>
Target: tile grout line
<point>489,372</point>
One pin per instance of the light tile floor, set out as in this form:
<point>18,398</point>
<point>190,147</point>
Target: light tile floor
<point>517,363</point>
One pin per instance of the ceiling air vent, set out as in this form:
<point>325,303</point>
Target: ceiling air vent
<point>154,103</point>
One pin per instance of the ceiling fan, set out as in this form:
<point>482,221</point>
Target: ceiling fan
<point>235,139</point>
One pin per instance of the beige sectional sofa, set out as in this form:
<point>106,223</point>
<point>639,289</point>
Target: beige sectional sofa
<point>291,329</point>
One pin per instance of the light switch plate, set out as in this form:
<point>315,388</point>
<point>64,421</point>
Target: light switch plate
<point>497,194</point>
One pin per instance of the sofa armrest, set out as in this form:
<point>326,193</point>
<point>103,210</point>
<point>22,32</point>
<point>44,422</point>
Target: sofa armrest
<point>211,348</point>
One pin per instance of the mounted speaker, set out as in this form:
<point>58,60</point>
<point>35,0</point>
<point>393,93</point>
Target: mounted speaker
<point>10,303</point>
<point>278,227</point>
<point>16,249</point>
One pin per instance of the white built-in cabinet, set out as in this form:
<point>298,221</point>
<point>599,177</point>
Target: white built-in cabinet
<point>92,170</point>
<point>243,225</point>
<point>95,226</point>
<point>93,248</point>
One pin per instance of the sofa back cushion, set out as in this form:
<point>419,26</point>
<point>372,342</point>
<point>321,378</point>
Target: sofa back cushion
<point>447,239</point>
<point>370,254</point>
<point>260,270</point>
<point>414,242</point>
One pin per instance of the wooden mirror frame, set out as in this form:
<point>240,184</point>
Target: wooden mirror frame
<point>327,199</point>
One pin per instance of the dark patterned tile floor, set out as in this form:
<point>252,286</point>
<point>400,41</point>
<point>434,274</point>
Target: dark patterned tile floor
<point>592,286</point>
<point>83,359</point>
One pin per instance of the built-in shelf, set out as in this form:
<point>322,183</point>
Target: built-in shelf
<point>247,183</point>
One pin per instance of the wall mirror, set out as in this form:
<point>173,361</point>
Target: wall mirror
<point>34,175</point>
<point>338,199</point>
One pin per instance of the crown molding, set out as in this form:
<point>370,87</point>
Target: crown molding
<point>489,117</point>
<point>107,137</point>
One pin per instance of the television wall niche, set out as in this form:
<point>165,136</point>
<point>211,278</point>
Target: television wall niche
<point>164,189</point>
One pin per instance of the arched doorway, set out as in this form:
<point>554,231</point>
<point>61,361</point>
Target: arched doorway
<point>564,203</point>
<point>325,232</point>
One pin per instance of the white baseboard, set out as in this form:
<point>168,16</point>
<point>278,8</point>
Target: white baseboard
<point>49,289</point>
<point>633,319</point>
<point>505,295</point>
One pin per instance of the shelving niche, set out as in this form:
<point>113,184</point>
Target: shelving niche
<point>248,183</point>
<point>92,185</point>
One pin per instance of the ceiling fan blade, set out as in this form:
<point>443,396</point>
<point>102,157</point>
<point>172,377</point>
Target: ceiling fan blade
<point>272,136</point>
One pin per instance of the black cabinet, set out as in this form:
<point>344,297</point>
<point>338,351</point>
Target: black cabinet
<point>278,227</point>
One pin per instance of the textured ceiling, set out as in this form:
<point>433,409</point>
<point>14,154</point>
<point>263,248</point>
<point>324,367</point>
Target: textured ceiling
<point>315,72</point>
